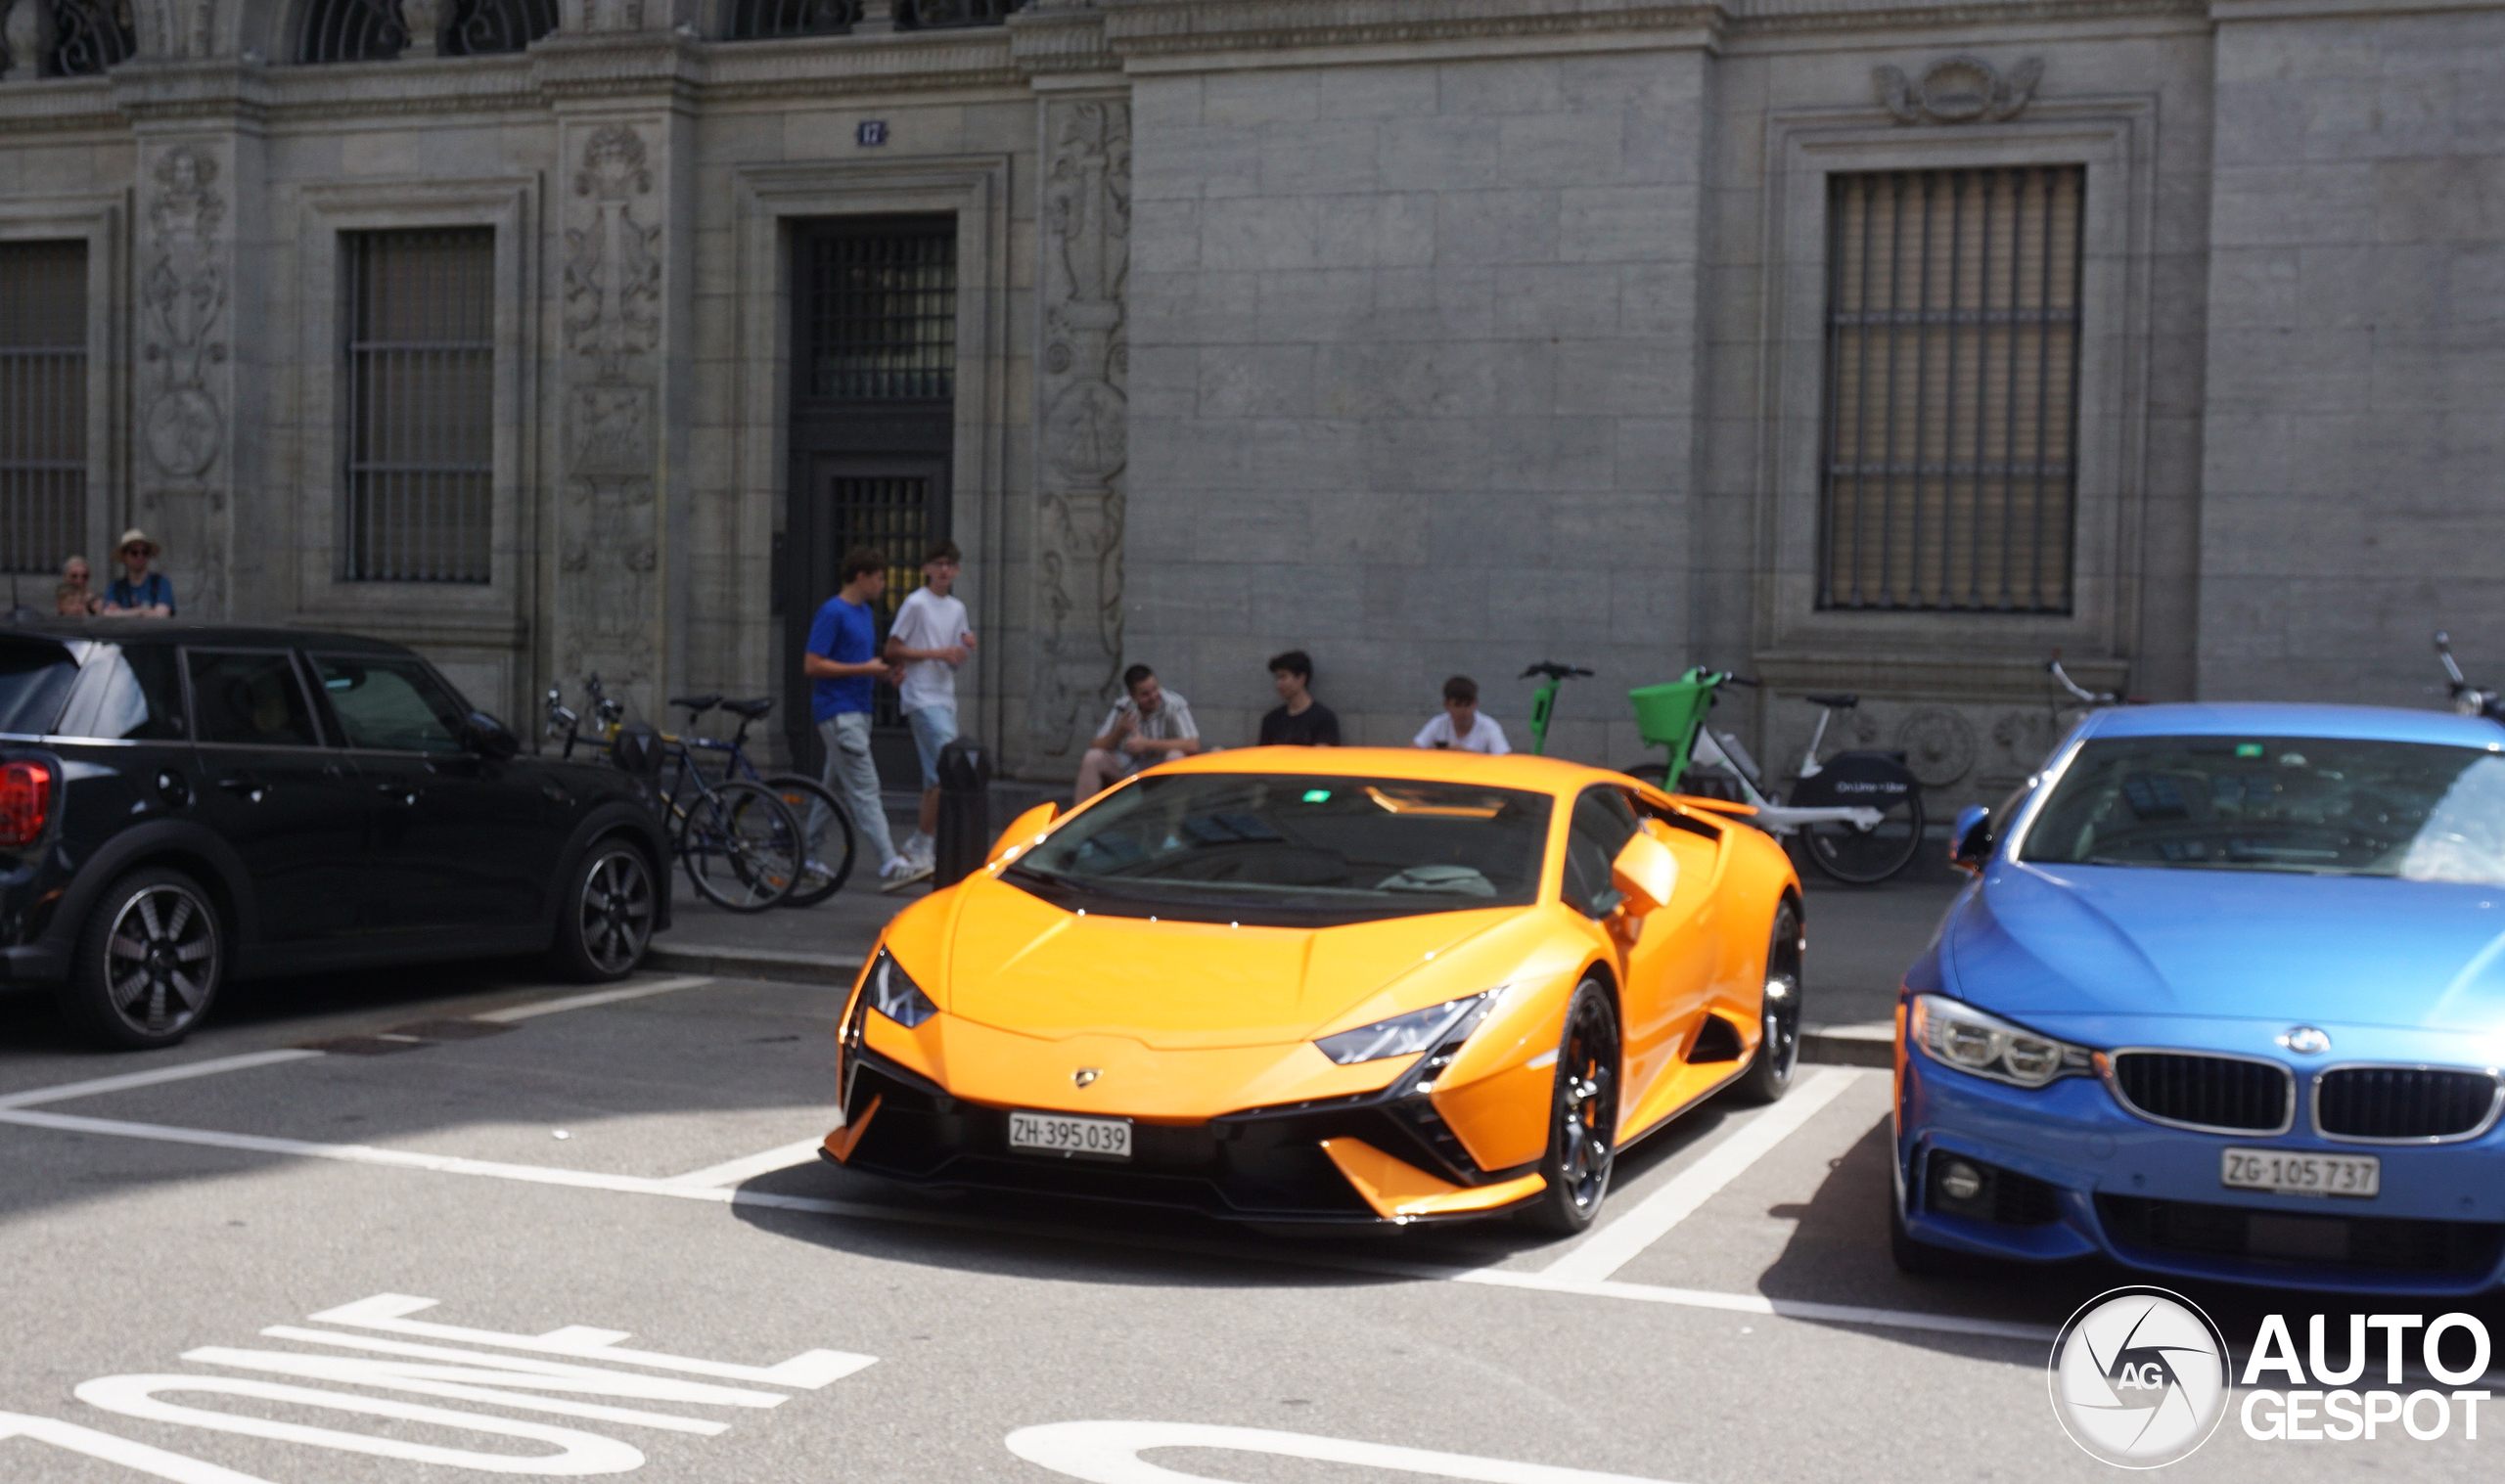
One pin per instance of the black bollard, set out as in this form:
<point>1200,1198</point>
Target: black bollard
<point>965,813</point>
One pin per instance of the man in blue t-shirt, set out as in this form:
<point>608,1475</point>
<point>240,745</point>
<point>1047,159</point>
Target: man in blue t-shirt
<point>843,667</point>
<point>139,593</point>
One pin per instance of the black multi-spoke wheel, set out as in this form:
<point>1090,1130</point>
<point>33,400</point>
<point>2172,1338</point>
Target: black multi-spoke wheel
<point>1769,1073</point>
<point>1582,1123</point>
<point>612,904</point>
<point>150,961</point>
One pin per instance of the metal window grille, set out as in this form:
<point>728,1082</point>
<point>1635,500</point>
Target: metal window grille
<point>43,403</point>
<point>372,30</point>
<point>89,36</point>
<point>421,400</point>
<point>884,315</point>
<point>763,20</point>
<point>891,513</point>
<point>1950,442</point>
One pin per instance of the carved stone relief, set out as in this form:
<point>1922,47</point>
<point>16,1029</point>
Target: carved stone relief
<point>1938,744</point>
<point>606,544</point>
<point>1958,90</point>
<point>183,289</point>
<point>1082,417</point>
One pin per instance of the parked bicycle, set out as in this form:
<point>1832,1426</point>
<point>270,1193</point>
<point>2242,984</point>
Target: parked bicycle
<point>741,844</point>
<point>825,831</point>
<point>1858,814</point>
<point>2468,699</point>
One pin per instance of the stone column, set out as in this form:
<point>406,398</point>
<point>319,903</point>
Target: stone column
<point>185,391</point>
<point>604,607</point>
<point>1082,421</point>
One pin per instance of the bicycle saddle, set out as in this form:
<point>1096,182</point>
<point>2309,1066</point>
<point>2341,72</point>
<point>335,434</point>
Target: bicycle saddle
<point>751,709</point>
<point>698,703</point>
<point>1840,703</point>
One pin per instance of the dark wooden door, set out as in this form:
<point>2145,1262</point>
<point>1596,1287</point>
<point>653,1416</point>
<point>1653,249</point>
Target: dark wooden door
<point>873,422</point>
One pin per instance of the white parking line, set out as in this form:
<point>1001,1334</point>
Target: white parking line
<point>127,1080</point>
<point>633,1185</point>
<point>1620,1241</point>
<point>749,1166</point>
<point>515,1012</point>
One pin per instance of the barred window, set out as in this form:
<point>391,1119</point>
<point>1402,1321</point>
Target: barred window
<point>763,20</point>
<point>43,404</point>
<point>372,30</point>
<point>420,405</point>
<point>1949,456</point>
<point>883,307</point>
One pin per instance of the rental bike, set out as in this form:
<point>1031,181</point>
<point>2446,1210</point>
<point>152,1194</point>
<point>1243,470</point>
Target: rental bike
<point>741,844</point>
<point>1858,814</point>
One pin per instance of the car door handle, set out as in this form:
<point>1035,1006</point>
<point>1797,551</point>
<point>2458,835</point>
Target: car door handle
<point>401,792</point>
<point>246,784</point>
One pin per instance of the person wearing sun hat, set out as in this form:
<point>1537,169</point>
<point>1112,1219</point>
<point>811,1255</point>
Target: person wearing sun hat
<point>138,592</point>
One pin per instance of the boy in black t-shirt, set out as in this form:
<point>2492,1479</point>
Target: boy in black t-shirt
<point>1302,722</point>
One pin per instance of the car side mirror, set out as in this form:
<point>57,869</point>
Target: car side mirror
<point>490,738</point>
<point>1970,839</point>
<point>1022,829</point>
<point>1645,873</point>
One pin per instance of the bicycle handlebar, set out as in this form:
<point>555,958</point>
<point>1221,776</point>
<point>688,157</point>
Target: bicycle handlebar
<point>1554,670</point>
<point>2053,668</point>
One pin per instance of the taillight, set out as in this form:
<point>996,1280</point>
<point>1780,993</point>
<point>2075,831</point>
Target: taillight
<point>26,802</point>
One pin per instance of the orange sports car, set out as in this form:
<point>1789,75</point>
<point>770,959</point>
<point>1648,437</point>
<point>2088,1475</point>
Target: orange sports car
<point>1296,984</point>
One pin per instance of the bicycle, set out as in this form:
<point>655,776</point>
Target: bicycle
<point>739,843</point>
<point>2468,699</point>
<point>1858,814</point>
<point>823,821</point>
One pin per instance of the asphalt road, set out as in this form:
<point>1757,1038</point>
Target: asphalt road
<point>463,1225</point>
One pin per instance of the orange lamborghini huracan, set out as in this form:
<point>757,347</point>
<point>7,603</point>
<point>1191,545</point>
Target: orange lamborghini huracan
<point>1296,984</point>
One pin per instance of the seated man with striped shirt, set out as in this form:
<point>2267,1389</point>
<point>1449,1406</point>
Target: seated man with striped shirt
<point>1145,728</point>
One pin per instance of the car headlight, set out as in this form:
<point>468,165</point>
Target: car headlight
<point>1956,1034</point>
<point>896,996</point>
<point>1406,1035</point>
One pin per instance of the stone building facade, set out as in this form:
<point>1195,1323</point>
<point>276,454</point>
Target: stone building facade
<point>1865,344</point>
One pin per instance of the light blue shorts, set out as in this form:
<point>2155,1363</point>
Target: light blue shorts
<point>933,728</point>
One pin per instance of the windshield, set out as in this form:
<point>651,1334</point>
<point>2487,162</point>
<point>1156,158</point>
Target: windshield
<point>1287,850</point>
<point>2418,811</point>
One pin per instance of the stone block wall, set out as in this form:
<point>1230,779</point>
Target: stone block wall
<point>2354,448</point>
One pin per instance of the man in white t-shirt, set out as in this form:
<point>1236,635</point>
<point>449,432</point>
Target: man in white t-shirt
<point>1458,727</point>
<point>930,638</point>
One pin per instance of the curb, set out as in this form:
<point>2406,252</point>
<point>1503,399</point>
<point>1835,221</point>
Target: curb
<point>1850,1045</point>
<point>754,963</point>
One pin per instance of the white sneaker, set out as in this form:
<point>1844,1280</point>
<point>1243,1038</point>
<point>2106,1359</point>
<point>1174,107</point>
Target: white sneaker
<point>902,873</point>
<point>922,852</point>
<point>896,866</point>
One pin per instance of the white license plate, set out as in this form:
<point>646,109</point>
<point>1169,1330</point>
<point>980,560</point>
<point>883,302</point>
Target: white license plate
<point>2299,1174</point>
<point>1071,1135</point>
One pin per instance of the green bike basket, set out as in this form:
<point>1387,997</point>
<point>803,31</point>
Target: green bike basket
<point>1667,715</point>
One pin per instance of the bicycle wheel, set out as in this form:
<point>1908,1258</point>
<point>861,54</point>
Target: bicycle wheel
<point>742,848</point>
<point>1867,857</point>
<point>826,838</point>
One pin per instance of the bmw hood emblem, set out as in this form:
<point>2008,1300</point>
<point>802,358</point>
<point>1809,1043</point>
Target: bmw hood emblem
<point>1088,1075</point>
<point>2305,1040</point>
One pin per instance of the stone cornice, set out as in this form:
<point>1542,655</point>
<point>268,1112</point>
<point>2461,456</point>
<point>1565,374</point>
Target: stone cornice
<point>640,65</point>
<point>1162,27</point>
<point>1061,41</point>
<point>906,62</point>
<point>181,92</point>
<point>59,104</point>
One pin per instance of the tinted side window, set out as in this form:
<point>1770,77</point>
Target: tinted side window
<point>130,691</point>
<point>34,679</point>
<point>1602,825</point>
<point>394,704</point>
<point>250,698</point>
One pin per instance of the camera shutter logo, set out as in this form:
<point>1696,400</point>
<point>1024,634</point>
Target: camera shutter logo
<point>2139,1378</point>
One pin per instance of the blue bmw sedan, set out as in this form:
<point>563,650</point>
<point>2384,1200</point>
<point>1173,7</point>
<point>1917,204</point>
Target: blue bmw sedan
<point>2226,999</point>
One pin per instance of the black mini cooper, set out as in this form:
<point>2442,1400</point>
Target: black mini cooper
<point>180,803</point>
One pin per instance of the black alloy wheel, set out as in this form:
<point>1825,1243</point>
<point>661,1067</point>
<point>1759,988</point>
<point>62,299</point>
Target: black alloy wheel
<point>1582,1135</point>
<point>149,962</point>
<point>612,908</point>
<point>1778,1055</point>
